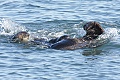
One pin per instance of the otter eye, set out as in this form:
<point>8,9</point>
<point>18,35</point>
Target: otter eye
<point>26,35</point>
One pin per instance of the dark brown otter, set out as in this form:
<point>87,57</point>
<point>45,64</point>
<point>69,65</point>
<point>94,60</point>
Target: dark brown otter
<point>93,30</point>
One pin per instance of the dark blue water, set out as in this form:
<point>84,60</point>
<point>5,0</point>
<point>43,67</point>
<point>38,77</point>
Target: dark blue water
<point>53,18</point>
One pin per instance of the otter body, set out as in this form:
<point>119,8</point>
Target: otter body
<point>93,30</point>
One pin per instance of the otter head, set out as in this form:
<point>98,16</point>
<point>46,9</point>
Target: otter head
<point>20,37</point>
<point>93,30</point>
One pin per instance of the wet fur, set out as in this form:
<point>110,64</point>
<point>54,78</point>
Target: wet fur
<point>20,37</point>
<point>93,30</point>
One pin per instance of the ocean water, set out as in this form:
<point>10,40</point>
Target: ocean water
<point>53,18</point>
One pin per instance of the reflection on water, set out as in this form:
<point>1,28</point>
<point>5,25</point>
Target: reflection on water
<point>92,52</point>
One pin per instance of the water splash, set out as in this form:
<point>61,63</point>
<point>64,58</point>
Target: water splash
<point>109,35</point>
<point>8,27</point>
<point>76,31</point>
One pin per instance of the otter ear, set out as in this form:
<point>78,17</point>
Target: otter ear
<point>99,30</point>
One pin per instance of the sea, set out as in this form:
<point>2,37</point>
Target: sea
<point>53,18</point>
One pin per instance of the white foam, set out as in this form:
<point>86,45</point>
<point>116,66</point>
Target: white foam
<point>8,27</point>
<point>110,33</point>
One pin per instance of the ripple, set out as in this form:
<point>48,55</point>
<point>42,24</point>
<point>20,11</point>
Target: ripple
<point>40,18</point>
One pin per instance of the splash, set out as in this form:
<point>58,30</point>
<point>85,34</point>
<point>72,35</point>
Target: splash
<point>77,31</point>
<point>109,35</point>
<point>8,27</point>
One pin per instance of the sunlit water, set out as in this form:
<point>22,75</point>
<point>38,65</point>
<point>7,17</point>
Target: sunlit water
<point>53,18</point>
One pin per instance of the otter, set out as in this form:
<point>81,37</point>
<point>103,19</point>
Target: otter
<point>93,30</point>
<point>22,36</point>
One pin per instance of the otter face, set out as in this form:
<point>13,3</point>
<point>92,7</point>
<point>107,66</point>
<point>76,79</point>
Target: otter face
<point>20,37</point>
<point>93,28</point>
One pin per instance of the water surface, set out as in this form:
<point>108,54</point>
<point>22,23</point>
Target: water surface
<point>53,18</point>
